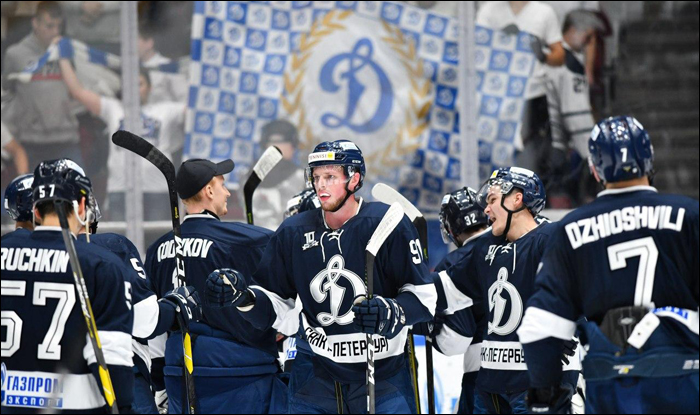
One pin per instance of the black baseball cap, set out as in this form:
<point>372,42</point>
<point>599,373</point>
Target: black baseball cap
<point>194,174</point>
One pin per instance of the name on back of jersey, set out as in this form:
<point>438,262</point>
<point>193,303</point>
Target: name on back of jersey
<point>628,219</point>
<point>192,248</point>
<point>35,260</point>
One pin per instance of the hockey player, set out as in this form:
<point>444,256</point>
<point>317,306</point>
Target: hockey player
<point>301,202</point>
<point>628,262</point>
<point>460,302</point>
<point>18,204</point>
<point>47,359</point>
<point>506,268</point>
<point>152,317</point>
<point>235,363</point>
<point>320,256</point>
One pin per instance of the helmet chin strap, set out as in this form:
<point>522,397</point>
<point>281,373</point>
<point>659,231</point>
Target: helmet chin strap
<point>347,196</point>
<point>510,213</point>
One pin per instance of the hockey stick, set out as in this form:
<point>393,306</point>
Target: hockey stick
<point>143,148</point>
<point>388,223</point>
<point>86,308</point>
<point>267,162</point>
<point>386,194</point>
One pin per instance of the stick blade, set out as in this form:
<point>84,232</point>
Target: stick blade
<point>267,162</point>
<point>132,142</point>
<point>391,219</point>
<point>143,148</point>
<point>386,194</point>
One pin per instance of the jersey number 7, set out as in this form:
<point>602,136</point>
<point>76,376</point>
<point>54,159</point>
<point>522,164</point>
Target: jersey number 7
<point>49,348</point>
<point>648,253</point>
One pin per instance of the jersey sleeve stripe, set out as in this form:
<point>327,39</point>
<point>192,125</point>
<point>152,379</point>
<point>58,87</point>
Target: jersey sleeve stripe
<point>116,347</point>
<point>472,358</point>
<point>141,352</point>
<point>145,317</point>
<point>426,294</point>
<point>456,300</point>
<point>452,343</point>
<point>540,324</point>
<point>281,306</point>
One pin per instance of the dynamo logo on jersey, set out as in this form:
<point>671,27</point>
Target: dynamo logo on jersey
<point>327,284</point>
<point>497,304</point>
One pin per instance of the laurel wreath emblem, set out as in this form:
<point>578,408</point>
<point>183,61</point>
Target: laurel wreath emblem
<point>408,138</point>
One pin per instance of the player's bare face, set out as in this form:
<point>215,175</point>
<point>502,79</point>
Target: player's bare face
<point>329,182</point>
<point>221,195</point>
<point>497,215</point>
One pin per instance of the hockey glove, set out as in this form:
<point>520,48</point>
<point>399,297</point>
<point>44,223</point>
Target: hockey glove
<point>431,328</point>
<point>552,400</point>
<point>537,49</point>
<point>569,350</point>
<point>227,287</point>
<point>383,316</point>
<point>186,302</point>
<point>162,401</point>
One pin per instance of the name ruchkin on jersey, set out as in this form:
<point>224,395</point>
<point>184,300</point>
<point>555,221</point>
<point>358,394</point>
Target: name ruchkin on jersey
<point>35,260</point>
<point>628,219</point>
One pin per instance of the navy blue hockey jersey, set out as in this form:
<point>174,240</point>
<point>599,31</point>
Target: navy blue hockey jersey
<point>326,269</point>
<point>19,232</point>
<point>507,272</point>
<point>210,244</point>
<point>629,247</point>
<point>145,303</point>
<point>45,348</point>
<point>460,299</point>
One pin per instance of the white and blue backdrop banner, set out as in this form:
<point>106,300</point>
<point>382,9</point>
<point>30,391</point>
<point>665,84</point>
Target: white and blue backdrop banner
<point>382,74</point>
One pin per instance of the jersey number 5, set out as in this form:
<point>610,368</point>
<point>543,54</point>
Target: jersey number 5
<point>50,347</point>
<point>645,249</point>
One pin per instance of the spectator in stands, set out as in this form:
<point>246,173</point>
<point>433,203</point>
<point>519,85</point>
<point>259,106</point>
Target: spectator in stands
<point>570,111</point>
<point>284,181</point>
<point>96,23</point>
<point>41,113</point>
<point>540,20</point>
<point>12,149</point>
<point>166,86</point>
<point>162,124</point>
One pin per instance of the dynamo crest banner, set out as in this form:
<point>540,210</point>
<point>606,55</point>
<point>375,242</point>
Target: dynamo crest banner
<point>381,74</point>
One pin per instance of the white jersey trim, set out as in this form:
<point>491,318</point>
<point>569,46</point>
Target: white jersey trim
<point>426,294</point>
<point>497,355</point>
<point>631,189</point>
<point>142,351</point>
<point>472,358</point>
<point>456,300</point>
<point>156,346</point>
<point>281,306</point>
<point>116,347</point>
<point>51,390</point>
<point>452,343</point>
<point>540,324</point>
<point>351,347</point>
<point>199,216</point>
<point>146,314</point>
